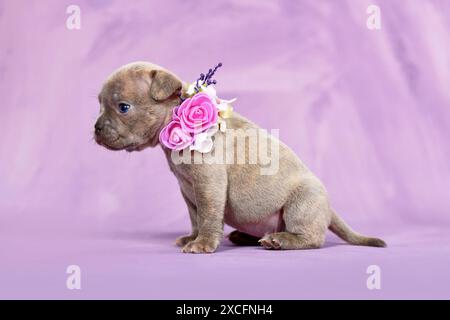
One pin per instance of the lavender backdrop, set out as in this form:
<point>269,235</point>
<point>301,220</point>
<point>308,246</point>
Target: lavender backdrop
<point>368,111</point>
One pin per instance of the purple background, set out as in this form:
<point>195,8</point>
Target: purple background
<point>368,111</point>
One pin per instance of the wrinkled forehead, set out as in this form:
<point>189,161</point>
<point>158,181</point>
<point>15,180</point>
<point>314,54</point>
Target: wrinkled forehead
<point>128,85</point>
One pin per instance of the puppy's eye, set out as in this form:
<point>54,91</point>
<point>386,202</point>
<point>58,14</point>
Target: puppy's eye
<point>124,107</point>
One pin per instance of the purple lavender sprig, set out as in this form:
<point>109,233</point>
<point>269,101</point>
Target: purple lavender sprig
<point>207,79</point>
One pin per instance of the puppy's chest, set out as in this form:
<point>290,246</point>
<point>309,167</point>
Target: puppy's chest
<point>185,184</point>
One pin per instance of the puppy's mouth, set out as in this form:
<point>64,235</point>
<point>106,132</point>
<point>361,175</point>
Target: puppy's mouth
<point>115,146</point>
<point>110,145</point>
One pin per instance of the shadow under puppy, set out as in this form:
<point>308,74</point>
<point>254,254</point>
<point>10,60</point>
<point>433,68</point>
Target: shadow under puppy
<point>288,209</point>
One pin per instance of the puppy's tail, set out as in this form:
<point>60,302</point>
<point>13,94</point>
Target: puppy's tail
<point>343,231</point>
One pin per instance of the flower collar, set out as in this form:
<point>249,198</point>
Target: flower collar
<point>198,118</point>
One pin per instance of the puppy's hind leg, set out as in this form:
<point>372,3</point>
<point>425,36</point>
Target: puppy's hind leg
<point>243,239</point>
<point>306,215</point>
<point>290,241</point>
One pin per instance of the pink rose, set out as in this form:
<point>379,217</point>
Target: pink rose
<point>174,137</point>
<point>198,113</point>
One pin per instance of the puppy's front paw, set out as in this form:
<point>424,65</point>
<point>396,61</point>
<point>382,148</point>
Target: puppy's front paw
<point>182,241</point>
<point>201,246</point>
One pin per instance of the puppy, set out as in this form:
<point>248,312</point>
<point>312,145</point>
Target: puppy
<point>288,209</point>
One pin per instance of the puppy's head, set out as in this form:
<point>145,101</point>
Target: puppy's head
<point>136,102</point>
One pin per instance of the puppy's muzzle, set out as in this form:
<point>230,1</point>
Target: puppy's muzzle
<point>104,133</point>
<point>99,127</point>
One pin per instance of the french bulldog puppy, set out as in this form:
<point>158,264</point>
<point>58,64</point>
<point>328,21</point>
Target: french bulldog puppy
<point>288,209</point>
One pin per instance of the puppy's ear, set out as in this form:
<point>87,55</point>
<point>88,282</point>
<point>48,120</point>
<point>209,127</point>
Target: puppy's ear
<point>164,85</point>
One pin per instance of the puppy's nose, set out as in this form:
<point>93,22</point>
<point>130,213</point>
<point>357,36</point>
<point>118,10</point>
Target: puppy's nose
<point>98,127</point>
